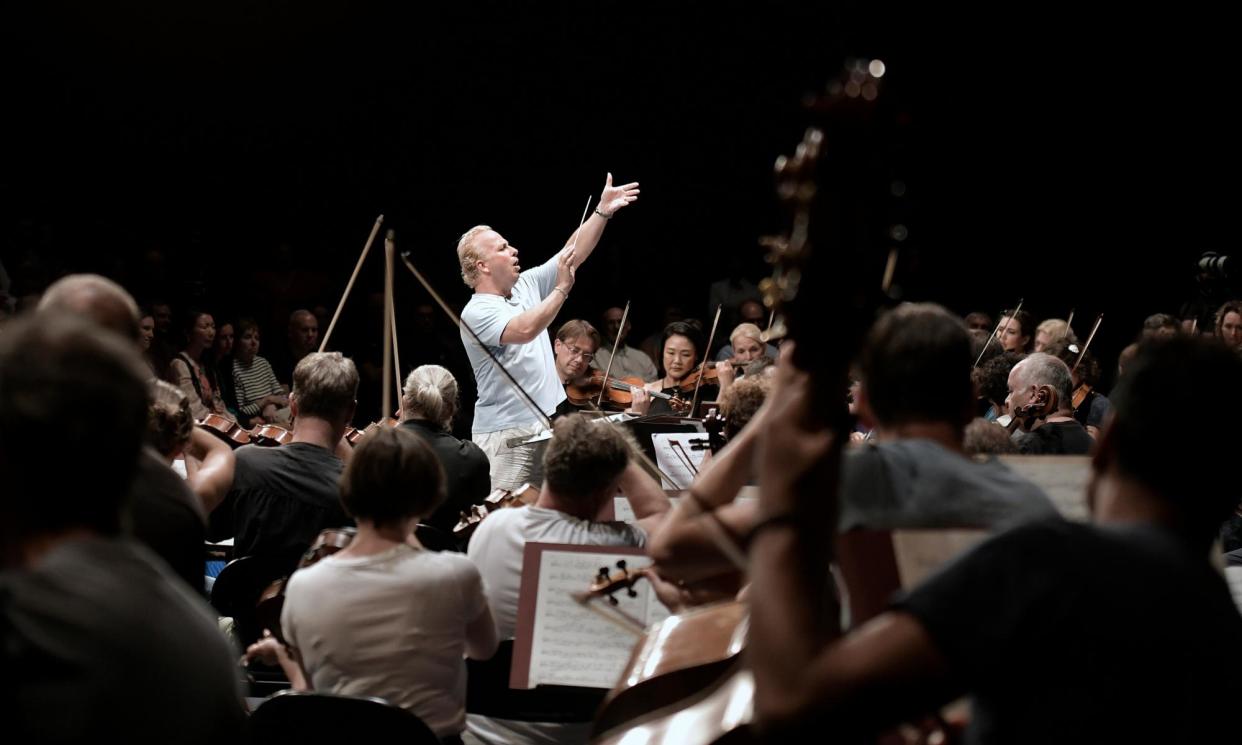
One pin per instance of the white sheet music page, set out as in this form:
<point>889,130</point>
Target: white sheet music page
<point>571,644</point>
<point>676,458</point>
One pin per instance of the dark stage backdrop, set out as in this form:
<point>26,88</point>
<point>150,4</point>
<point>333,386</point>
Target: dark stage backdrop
<point>239,152</point>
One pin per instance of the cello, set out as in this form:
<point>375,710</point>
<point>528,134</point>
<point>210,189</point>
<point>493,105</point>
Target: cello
<point>723,710</point>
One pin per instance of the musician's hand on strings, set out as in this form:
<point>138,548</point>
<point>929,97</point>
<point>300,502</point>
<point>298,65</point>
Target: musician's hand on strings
<point>641,401</point>
<point>726,373</point>
<point>614,198</point>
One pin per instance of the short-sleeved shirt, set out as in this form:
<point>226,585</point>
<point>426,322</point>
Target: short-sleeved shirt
<point>282,497</point>
<point>498,544</point>
<point>1065,632</point>
<point>391,625</point>
<point>916,483</point>
<point>532,364</point>
<point>99,641</point>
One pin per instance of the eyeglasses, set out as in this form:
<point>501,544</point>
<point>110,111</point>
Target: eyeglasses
<point>575,352</point>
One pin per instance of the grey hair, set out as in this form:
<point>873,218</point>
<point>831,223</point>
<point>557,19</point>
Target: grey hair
<point>430,393</point>
<point>1044,369</point>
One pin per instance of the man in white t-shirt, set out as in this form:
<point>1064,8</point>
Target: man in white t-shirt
<point>510,311</point>
<point>586,464</point>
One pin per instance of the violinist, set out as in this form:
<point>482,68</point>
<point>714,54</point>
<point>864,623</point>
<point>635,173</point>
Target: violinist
<point>283,497</point>
<point>1016,332</point>
<point>428,405</point>
<point>1054,432</point>
<point>629,362</point>
<point>384,616</point>
<point>87,614</point>
<point>745,346</point>
<point>682,352</point>
<point>575,347</point>
<point>585,464</point>
<point>161,511</point>
<point>1091,407</point>
<point>576,344</point>
<point>510,311</point>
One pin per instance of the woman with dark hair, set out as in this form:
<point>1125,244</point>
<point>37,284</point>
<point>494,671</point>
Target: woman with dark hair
<point>386,617</point>
<point>1016,332</point>
<point>189,372</point>
<point>681,353</point>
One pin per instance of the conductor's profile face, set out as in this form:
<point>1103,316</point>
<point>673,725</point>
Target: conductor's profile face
<point>499,259</point>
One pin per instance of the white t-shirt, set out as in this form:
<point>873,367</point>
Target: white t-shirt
<point>532,365</point>
<point>391,625</point>
<point>497,544</point>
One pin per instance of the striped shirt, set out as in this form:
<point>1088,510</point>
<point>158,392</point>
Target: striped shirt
<point>253,382</point>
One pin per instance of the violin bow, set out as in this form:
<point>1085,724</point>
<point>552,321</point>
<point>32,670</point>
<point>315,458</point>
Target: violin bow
<point>997,331</point>
<point>349,286</point>
<point>1069,325</point>
<point>390,239</point>
<point>616,343</point>
<point>694,402</point>
<point>1085,346</point>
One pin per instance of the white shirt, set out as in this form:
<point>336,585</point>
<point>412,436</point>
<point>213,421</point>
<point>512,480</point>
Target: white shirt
<point>391,625</point>
<point>497,545</point>
<point>532,364</point>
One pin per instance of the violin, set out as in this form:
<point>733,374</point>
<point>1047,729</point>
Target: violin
<point>353,434</point>
<point>500,498</point>
<point>1042,405</point>
<point>267,435</point>
<point>1080,394</point>
<point>619,394</point>
<point>226,429</point>
<point>272,600</point>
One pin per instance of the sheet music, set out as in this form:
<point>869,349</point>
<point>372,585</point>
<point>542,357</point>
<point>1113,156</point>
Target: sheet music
<point>571,644</point>
<point>922,552</point>
<point>676,460</point>
<point>1062,477</point>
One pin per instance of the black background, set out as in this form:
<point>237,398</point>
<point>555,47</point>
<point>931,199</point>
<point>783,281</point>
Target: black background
<point>238,153</point>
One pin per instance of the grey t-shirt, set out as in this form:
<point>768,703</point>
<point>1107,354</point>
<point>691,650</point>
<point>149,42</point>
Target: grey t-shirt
<point>99,641</point>
<point>919,484</point>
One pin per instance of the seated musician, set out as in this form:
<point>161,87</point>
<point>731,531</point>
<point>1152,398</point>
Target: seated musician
<point>1094,407</point>
<point>1060,631</point>
<point>1016,332</point>
<point>586,463</point>
<point>629,362</point>
<point>1057,433</point>
<point>99,641</point>
<point>915,385</point>
<point>745,346</point>
<point>574,351</point>
<point>428,405</point>
<point>384,616</point>
<point>282,497</point>
<point>577,343</point>
<point>682,352</point>
<point>173,519</point>
<point>161,512</point>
